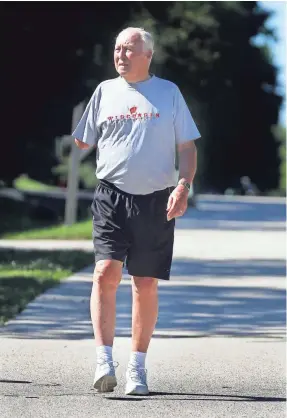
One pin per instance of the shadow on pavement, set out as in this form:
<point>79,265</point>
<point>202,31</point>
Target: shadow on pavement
<point>193,268</point>
<point>208,302</point>
<point>14,381</point>
<point>234,215</point>
<point>197,397</point>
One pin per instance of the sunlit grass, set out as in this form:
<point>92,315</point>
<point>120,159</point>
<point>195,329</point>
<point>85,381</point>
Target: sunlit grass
<point>23,182</point>
<point>80,230</point>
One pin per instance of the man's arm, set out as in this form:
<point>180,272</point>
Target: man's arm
<point>81,144</point>
<point>187,156</point>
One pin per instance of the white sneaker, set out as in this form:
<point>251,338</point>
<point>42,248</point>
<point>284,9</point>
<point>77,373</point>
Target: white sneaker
<point>105,376</point>
<point>136,381</point>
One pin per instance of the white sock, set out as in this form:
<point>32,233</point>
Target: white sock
<point>137,360</point>
<point>104,353</point>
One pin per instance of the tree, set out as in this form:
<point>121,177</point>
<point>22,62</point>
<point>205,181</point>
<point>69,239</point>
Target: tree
<point>57,53</point>
<point>280,135</point>
<point>53,56</point>
<point>207,49</point>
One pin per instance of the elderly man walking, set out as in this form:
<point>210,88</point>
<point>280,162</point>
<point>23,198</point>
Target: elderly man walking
<point>136,121</point>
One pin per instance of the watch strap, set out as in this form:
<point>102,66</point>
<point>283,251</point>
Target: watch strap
<point>185,184</point>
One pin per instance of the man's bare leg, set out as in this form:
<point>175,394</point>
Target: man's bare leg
<point>107,276</point>
<point>144,312</point>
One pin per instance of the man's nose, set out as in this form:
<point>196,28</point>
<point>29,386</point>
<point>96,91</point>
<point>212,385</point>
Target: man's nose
<point>121,53</point>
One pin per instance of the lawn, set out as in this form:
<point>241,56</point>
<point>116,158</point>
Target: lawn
<point>80,230</point>
<point>23,182</point>
<point>24,274</point>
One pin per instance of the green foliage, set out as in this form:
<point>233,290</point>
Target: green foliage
<point>283,168</point>
<point>206,48</point>
<point>87,178</point>
<point>279,132</point>
<point>229,83</point>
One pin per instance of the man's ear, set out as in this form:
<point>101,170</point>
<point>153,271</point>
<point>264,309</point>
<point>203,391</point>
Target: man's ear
<point>149,55</point>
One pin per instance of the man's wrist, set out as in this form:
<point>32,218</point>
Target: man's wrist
<point>182,190</point>
<point>184,183</point>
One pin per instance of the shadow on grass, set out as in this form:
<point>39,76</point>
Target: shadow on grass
<point>25,274</point>
<point>16,292</point>
<point>72,260</point>
<point>20,215</point>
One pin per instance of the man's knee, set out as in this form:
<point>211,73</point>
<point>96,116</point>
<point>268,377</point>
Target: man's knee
<point>108,273</point>
<point>145,284</point>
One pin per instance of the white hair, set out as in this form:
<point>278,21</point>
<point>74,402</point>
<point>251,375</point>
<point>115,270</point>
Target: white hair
<point>145,36</point>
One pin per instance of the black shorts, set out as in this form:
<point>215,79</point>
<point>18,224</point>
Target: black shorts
<point>133,229</point>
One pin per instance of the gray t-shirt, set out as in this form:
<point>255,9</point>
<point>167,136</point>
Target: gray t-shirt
<point>136,128</point>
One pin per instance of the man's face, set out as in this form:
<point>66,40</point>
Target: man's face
<point>129,56</point>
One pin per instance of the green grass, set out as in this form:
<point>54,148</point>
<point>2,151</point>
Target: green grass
<point>80,230</point>
<point>23,182</point>
<point>25,274</point>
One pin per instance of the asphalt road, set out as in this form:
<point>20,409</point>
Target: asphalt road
<point>219,345</point>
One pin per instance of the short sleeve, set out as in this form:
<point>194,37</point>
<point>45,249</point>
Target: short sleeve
<point>184,125</point>
<point>86,130</point>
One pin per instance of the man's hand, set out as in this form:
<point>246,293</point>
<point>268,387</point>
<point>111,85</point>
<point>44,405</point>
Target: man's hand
<point>81,144</point>
<point>177,202</point>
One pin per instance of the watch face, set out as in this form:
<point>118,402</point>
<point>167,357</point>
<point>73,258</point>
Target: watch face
<point>186,184</point>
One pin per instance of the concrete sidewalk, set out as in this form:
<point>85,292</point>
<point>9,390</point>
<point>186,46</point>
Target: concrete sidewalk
<point>218,348</point>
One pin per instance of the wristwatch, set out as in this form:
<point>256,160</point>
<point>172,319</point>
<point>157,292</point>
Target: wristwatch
<point>185,184</point>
